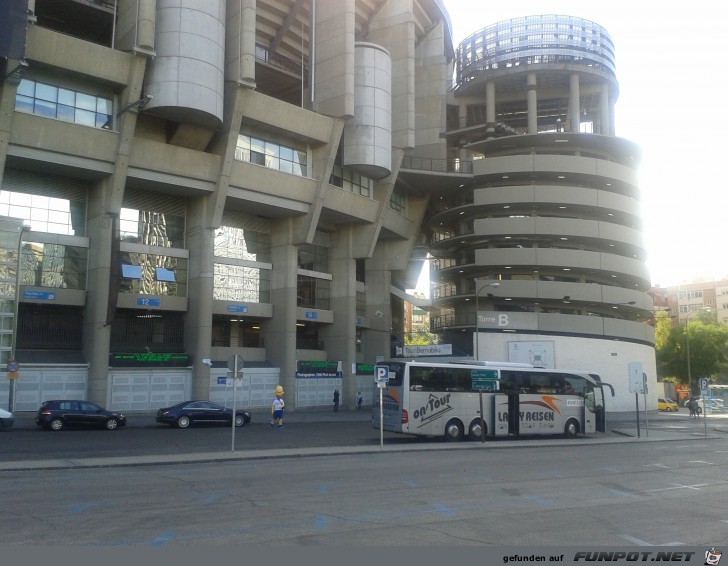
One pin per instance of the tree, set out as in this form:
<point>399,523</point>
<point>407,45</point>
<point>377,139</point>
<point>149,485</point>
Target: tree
<point>663,325</point>
<point>707,351</point>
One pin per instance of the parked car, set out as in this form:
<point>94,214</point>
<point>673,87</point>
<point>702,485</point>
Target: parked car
<point>186,413</point>
<point>667,404</point>
<point>714,406</point>
<point>58,414</point>
<point>6,419</point>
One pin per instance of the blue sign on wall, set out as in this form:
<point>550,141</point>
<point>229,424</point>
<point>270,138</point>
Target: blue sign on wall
<point>147,302</point>
<point>311,314</point>
<point>39,295</point>
<point>237,308</point>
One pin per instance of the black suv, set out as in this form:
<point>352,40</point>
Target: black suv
<point>55,415</point>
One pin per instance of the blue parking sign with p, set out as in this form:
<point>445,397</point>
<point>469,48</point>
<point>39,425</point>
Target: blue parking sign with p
<point>382,374</point>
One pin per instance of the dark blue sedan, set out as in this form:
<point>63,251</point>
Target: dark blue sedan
<point>186,413</point>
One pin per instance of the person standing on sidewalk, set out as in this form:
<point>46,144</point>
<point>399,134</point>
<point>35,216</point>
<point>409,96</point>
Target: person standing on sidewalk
<point>359,400</point>
<point>336,400</point>
<point>277,408</point>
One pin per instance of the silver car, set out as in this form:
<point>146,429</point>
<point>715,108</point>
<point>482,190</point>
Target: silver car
<point>6,419</point>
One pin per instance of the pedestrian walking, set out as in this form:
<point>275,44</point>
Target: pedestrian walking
<point>359,400</point>
<point>277,408</point>
<point>336,400</point>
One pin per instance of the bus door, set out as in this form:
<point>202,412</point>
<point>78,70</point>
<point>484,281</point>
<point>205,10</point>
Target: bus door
<point>589,418</point>
<point>594,413</point>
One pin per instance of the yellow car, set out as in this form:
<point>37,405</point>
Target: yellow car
<point>667,404</point>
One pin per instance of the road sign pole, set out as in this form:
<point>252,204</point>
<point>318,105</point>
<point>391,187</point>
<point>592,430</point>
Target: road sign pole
<point>235,375</point>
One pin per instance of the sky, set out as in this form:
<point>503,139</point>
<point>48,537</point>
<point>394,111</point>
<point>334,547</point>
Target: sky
<point>670,70</point>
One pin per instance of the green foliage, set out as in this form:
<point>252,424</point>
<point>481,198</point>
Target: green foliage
<point>420,338</point>
<point>707,346</point>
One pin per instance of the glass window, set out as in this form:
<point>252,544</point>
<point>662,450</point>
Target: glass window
<point>241,243</point>
<point>271,155</point>
<point>64,104</point>
<point>53,265</point>
<point>44,214</point>
<point>174,270</point>
<point>241,284</point>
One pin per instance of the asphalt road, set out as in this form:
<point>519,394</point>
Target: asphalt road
<point>631,494</point>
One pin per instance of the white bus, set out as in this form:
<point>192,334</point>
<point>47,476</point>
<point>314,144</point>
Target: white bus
<point>445,399</point>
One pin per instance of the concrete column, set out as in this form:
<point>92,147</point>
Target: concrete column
<point>7,109</point>
<point>333,38</point>
<point>490,107</point>
<point>96,334</point>
<point>240,42</point>
<point>340,337</point>
<point>200,287</point>
<point>393,27</point>
<point>279,333</point>
<point>532,104</point>
<point>377,338</point>
<point>604,111</point>
<point>135,25</point>
<point>104,203</point>
<point>574,103</point>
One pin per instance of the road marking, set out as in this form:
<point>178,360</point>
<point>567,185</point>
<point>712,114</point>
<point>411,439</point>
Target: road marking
<point>700,462</point>
<point>640,542</point>
<point>444,509</point>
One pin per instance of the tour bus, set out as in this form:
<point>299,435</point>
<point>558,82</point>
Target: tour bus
<point>445,399</point>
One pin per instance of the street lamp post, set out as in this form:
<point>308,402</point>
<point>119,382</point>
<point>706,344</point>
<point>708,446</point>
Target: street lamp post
<point>477,315</point>
<point>687,348</point>
<point>14,338</point>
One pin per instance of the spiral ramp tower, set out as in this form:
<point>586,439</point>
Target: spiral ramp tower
<point>538,255</point>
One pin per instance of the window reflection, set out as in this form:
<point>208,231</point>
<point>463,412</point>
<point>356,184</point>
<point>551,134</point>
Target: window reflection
<point>64,104</point>
<point>153,274</point>
<point>151,228</point>
<point>53,265</point>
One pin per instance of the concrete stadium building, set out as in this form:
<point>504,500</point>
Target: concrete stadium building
<point>252,184</point>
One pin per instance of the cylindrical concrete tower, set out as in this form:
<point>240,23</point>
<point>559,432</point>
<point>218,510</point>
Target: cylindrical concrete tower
<point>368,134</point>
<point>185,78</point>
<point>541,250</point>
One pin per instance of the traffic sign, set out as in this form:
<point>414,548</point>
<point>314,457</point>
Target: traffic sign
<point>382,375</point>
<point>704,382</point>
<point>235,362</point>
<point>13,366</point>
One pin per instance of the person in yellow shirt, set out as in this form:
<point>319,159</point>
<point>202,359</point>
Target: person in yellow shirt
<point>277,408</point>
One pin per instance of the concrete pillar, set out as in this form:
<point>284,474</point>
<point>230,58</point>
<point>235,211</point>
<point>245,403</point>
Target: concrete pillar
<point>96,333</point>
<point>604,111</point>
<point>490,107</point>
<point>7,109</point>
<point>431,84</point>
<point>200,287</point>
<point>135,25</point>
<point>574,103</point>
<point>279,333</point>
<point>333,39</point>
<point>240,42</point>
<point>340,337</point>
<point>377,338</point>
<point>393,27</point>
<point>532,104</point>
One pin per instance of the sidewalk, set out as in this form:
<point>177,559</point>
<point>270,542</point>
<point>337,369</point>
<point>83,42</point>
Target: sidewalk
<point>623,430</point>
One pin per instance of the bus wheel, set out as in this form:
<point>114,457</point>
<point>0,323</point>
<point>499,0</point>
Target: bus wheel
<point>571,429</point>
<point>453,431</point>
<point>477,429</point>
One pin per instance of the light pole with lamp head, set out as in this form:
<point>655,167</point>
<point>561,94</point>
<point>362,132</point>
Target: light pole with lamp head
<point>687,346</point>
<point>477,314</point>
<point>14,339</point>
